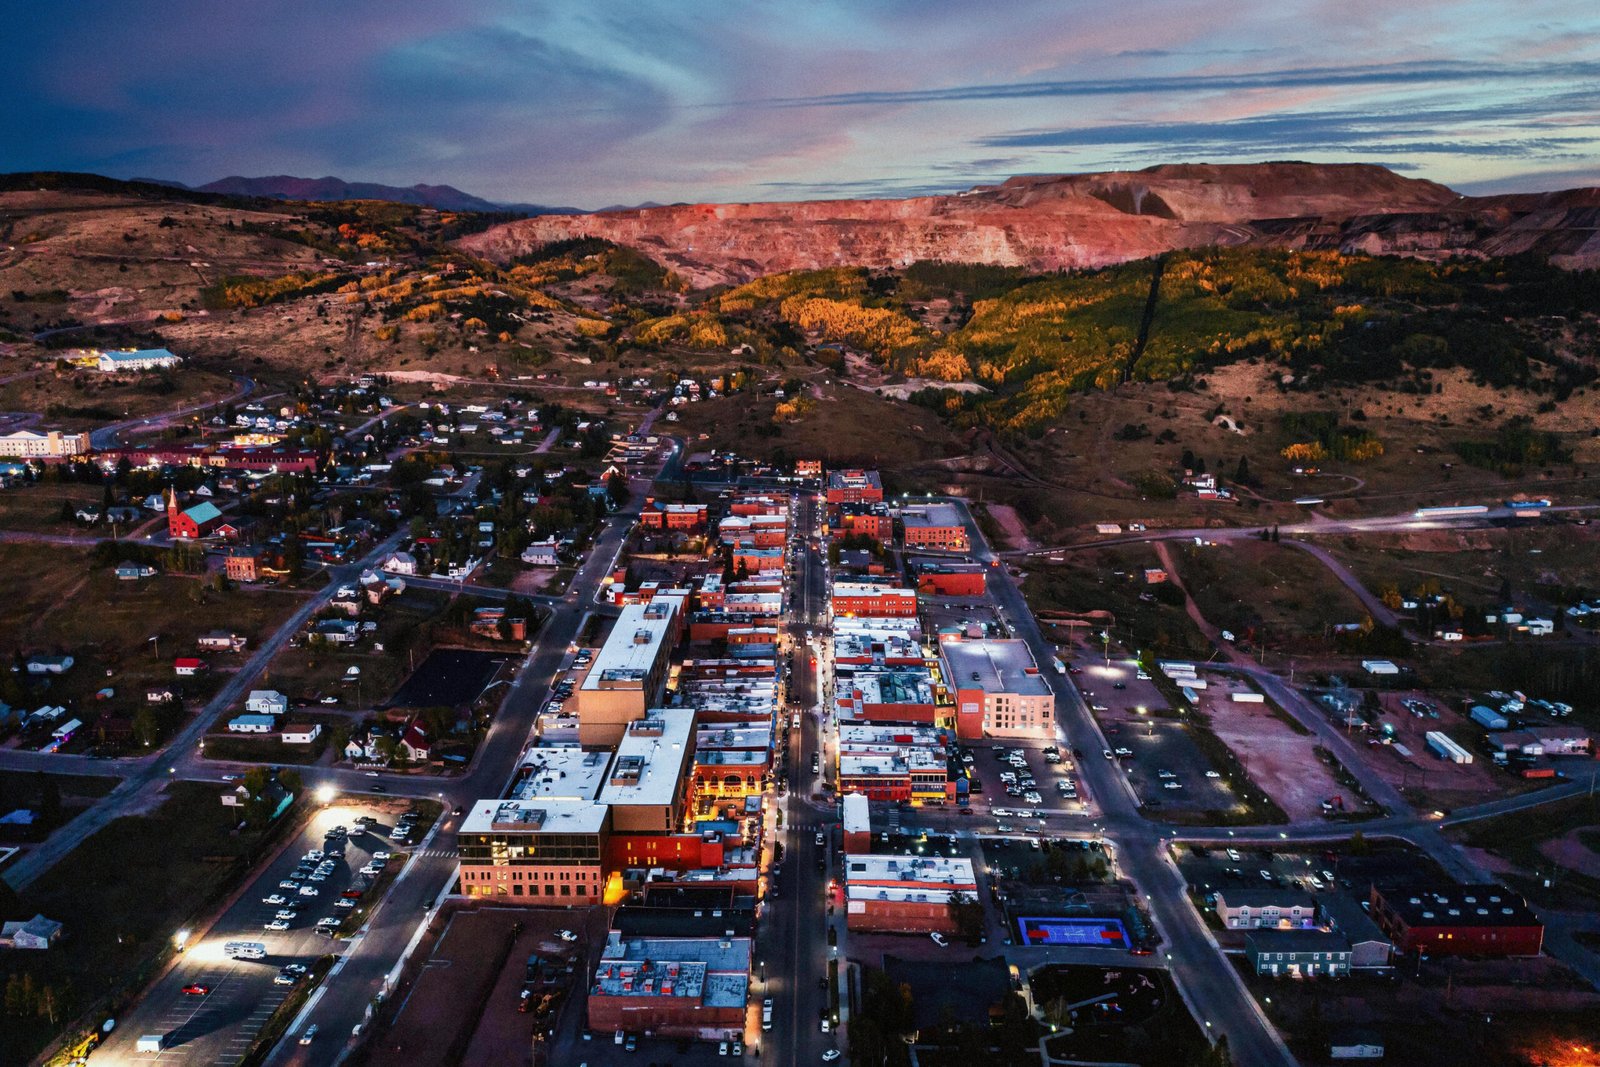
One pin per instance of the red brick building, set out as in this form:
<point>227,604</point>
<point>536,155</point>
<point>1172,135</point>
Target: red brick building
<point>682,517</point>
<point>852,486</point>
<point>242,566</point>
<point>671,987</point>
<point>861,600</point>
<point>1458,920</point>
<point>952,579</point>
<point>905,894</point>
<point>196,522</point>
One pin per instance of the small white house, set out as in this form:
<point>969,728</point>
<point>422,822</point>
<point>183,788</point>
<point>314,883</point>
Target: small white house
<point>401,563</point>
<point>37,933</point>
<point>49,664</point>
<point>302,733</point>
<point>266,702</point>
<point>542,554</point>
<point>253,724</point>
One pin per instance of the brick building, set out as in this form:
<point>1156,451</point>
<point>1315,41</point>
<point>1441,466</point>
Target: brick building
<point>905,894</point>
<point>1458,920</point>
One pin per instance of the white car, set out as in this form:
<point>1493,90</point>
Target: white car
<point>939,939</point>
<point>275,899</point>
<point>1173,785</point>
<point>566,935</point>
<point>382,856</point>
<point>372,870</point>
<point>276,924</point>
<point>1213,774</point>
<point>344,903</point>
<point>832,1054</point>
<point>283,979</point>
<point>309,891</point>
<point>287,915</point>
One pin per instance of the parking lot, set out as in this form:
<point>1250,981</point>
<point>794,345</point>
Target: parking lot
<point>989,766</point>
<point>1207,868</point>
<point>1166,768</point>
<point>210,1007</point>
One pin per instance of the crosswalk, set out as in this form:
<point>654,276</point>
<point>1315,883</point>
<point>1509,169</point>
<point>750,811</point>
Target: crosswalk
<point>438,853</point>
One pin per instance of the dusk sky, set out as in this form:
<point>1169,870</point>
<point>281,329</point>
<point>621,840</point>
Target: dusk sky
<point>593,103</point>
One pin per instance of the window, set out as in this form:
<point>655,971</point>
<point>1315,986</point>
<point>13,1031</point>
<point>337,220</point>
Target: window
<point>549,890</point>
<point>516,890</point>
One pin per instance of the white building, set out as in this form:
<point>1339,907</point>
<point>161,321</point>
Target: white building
<point>253,724</point>
<point>114,360</point>
<point>266,702</point>
<point>302,733</point>
<point>52,444</point>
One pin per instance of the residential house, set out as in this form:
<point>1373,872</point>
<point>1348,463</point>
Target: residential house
<point>301,733</point>
<point>253,724</point>
<point>414,744</point>
<point>132,572</point>
<point>37,933</point>
<point>1370,947</point>
<point>401,563</point>
<point>1298,953</point>
<point>221,641</point>
<point>338,631</point>
<point>1250,908</point>
<point>160,694</point>
<point>542,553</point>
<point>188,666</point>
<point>266,702</point>
<point>1355,1043</point>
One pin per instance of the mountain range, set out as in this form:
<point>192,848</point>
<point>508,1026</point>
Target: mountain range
<point>289,187</point>
<point>1055,222</point>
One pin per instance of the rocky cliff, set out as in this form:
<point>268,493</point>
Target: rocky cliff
<point>1089,220</point>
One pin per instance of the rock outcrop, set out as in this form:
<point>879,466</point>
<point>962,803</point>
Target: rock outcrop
<point>1089,220</point>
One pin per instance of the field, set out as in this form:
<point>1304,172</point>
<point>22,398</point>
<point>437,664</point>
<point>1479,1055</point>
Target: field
<point>1488,1012</point>
<point>38,507</point>
<point>172,864</point>
<point>80,399</point>
<point>1525,851</point>
<point>53,798</point>
<point>123,634</point>
<point>1152,1026</point>
<point>220,744</point>
<point>1111,581</point>
<point>847,426</point>
<point>1266,594</point>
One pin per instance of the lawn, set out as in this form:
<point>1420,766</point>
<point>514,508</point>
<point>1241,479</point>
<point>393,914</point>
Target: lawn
<point>1267,594</point>
<point>53,798</point>
<point>124,635</point>
<point>1111,581</point>
<point>172,865</point>
<point>80,399</point>
<point>37,507</point>
<point>1517,838</point>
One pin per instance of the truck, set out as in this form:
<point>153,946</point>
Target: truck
<point>151,1043</point>
<point>245,950</point>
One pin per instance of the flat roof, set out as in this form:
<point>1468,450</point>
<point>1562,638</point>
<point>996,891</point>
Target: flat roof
<point>854,479</point>
<point>1298,941</point>
<point>561,774</point>
<point>857,812</point>
<point>630,650</point>
<point>714,971</point>
<point>995,666</point>
<point>859,589</point>
<point>903,686</point>
<point>732,736</point>
<point>645,768</point>
<point>1459,905</point>
<point>534,817</point>
<point>877,735</point>
<point>924,515</point>
<point>934,871</point>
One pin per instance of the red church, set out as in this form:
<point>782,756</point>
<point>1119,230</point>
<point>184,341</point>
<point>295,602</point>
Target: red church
<point>196,522</point>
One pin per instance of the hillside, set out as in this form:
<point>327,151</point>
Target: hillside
<point>1047,223</point>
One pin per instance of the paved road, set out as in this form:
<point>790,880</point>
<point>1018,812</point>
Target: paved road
<point>108,436</point>
<point>219,1026</point>
<point>148,775</point>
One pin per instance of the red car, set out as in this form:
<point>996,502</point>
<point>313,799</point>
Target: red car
<point>196,990</point>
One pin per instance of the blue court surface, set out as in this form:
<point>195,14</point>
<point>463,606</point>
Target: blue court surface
<point>1108,933</point>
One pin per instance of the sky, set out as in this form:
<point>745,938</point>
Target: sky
<point>597,102</point>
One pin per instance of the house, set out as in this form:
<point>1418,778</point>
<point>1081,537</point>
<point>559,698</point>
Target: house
<point>253,724</point>
<point>363,748</point>
<point>221,641</point>
<point>542,553</point>
<point>132,572</point>
<point>35,933</point>
<point>196,522</point>
<point>338,631</point>
<point>401,563</point>
<point>49,664</point>
<point>160,694</point>
<point>301,733</point>
<point>116,360</point>
<point>414,746</point>
<point>1298,953</point>
<point>1355,1043</point>
<point>1249,908</point>
<point>188,666</point>
<point>266,702</point>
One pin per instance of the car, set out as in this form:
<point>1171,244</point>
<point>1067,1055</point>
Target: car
<point>288,914</point>
<point>632,1044</point>
<point>295,968</point>
<point>1172,785</point>
<point>1233,854</point>
<point>284,978</point>
<point>316,855</point>
<point>310,1035</point>
<point>1002,828</point>
<point>738,1047</point>
<point>832,1054</point>
<point>1213,774</point>
<point>1266,876</point>
<point>344,903</point>
<point>1327,876</point>
<point>1109,754</point>
<point>275,899</point>
<point>824,1024</point>
<point>383,855</point>
<point>288,883</point>
<point>1033,798</point>
<point>619,1038</point>
<point>939,939</point>
<point>966,811</point>
<point>230,777</point>
<point>722,1049</point>
<point>309,891</point>
<point>566,935</point>
<point>329,700</point>
<point>327,922</point>
<point>822,839</point>
<point>372,869</point>
<point>378,789</point>
<point>276,924</point>
<point>196,990</point>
